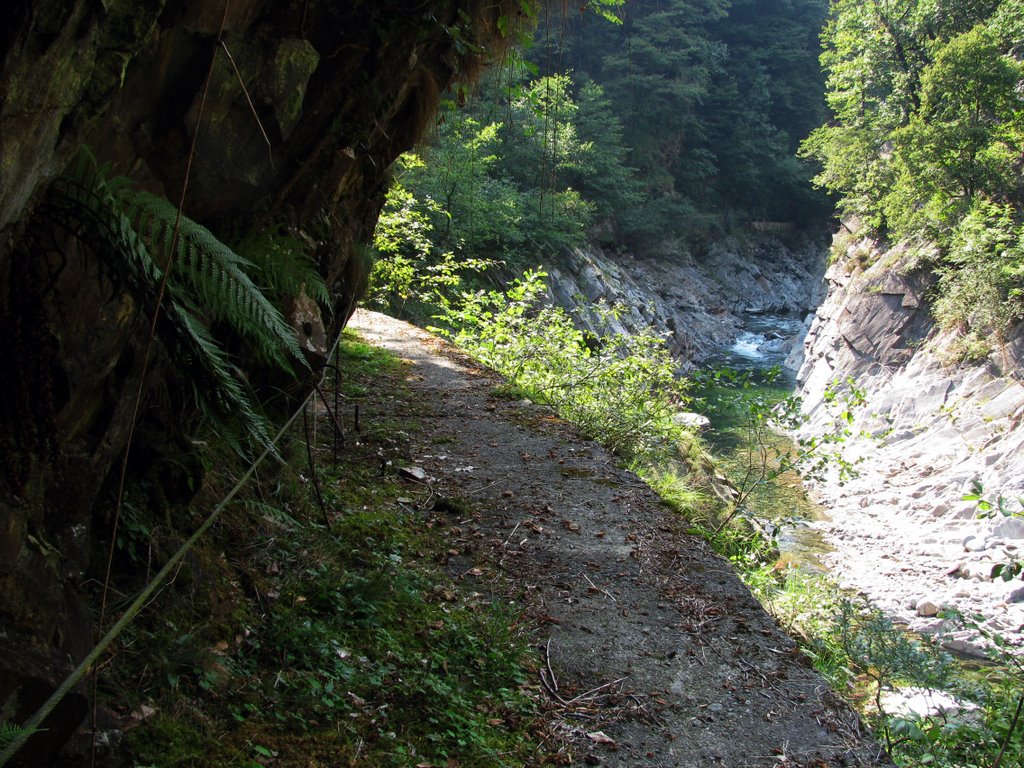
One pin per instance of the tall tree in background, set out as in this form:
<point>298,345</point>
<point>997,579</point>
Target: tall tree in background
<point>926,144</point>
<point>714,97</point>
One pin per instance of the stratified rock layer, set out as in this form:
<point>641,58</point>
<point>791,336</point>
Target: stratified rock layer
<point>929,432</point>
<point>698,301</point>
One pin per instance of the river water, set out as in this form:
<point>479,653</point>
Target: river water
<point>764,343</point>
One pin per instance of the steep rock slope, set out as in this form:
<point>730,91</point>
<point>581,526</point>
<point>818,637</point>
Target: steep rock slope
<point>929,431</point>
<point>700,301</point>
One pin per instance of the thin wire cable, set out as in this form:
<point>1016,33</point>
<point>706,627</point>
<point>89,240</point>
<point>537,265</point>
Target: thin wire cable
<point>33,723</point>
<point>151,338</point>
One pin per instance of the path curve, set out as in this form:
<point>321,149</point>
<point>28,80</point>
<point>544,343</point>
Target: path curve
<point>652,651</point>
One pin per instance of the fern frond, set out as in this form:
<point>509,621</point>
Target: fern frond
<point>91,208</point>
<point>282,267</point>
<point>8,731</point>
<point>218,390</point>
<point>217,277</point>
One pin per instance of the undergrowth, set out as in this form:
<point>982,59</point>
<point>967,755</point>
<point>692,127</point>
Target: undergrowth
<point>862,653</point>
<point>317,639</point>
<point>878,665</point>
<point>620,389</point>
<point>623,391</point>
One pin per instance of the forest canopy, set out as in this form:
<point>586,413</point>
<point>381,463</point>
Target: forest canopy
<point>926,141</point>
<point>678,123</point>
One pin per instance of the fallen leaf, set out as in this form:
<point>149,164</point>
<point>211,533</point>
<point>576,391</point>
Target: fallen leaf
<point>600,737</point>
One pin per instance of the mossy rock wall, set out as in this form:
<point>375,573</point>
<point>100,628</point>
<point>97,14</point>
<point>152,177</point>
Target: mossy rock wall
<point>309,104</point>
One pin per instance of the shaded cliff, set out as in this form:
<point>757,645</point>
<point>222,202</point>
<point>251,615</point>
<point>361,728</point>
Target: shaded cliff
<point>295,111</point>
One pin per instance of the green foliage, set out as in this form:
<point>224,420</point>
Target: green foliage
<point>529,166</point>
<point>1002,507</point>
<point>8,731</point>
<point>981,287</point>
<point>925,144</point>
<point>676,123</point>
<point>713,97</point>
<point>131,232</point>
<point>750,412</point>
<point>281,267</point>
<point>410,276</point>
<point>472,209</point>
<point>348,645</point>
<point>622,390</point>
<point>210,276</point>
<point>360,622</point>
<point>861,651</point>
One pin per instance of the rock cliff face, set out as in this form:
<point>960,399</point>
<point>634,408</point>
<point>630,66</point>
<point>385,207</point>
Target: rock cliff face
<point>701,301</point>
<point>931,429</point>
<point>308,103</point>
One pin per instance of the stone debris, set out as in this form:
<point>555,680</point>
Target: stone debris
<point>929,435</point>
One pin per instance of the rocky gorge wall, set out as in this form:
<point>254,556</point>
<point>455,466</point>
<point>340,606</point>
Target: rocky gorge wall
<point>930,430</point>
<point>700,301</point>
<point>901,532</point>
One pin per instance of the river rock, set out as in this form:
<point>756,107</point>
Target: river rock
<point>698,301</point>
<point>1009,528</point>
<point>922,702</point>
<point>975,543</point>
<point>939,429</point>
<point>928,606</point>
<point>695,421</point>
<point>976,571</point>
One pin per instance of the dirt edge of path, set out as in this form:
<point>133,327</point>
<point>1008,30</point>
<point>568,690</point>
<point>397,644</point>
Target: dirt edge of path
<point>654,653</point>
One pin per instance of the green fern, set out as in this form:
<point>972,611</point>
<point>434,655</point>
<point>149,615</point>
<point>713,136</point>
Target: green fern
<point>214,275</point>
<point>125,228</point>
<point>282,267</point>
<point>8,731</point>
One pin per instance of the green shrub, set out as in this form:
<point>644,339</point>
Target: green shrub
<point>620,389</point>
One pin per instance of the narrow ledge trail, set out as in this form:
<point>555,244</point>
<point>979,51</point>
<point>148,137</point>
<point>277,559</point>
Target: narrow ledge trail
<point>652,651</point>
